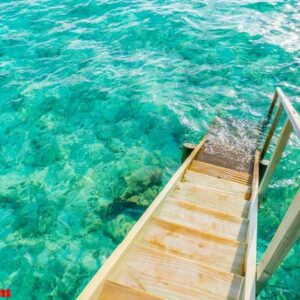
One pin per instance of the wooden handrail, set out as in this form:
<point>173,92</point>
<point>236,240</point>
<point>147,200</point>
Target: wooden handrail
<point>291,112</point>
<point>271,131</point>
<point>292,124</point>
<point>285,237</point>
<point>281,143</point>
<point>288,231</point>
<point>250,261</point>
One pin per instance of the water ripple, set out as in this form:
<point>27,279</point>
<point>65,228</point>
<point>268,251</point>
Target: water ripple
<point>96,99</point>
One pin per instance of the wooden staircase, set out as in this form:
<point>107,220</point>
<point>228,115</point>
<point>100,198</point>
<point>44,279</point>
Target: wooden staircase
<point>192,242</point>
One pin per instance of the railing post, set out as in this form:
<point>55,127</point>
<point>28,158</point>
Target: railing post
<point>187,149</point>
<point>273,104</point>
<point>285,237</point>
<point>281,143</point>
<point>271,131</point>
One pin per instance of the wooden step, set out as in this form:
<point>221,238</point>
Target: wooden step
<point>225,202</point>
<point>172,277</point>
<point>213,182</point>
<point>220,172</point>
<point>199,218</point>
<point>115,291</point>
<point>207,249</point>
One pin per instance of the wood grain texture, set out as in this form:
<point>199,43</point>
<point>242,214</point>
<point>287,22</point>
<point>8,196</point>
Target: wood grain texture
<point>115,291</point>
<point>210,198</point>
<point>216,183</point>
<point>200,218</point>
<point>220,172</point>
<point>172,277</point>
<point>207,249</point>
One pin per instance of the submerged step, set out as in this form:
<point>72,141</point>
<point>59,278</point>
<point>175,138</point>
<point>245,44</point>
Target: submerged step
<point>231,143</point>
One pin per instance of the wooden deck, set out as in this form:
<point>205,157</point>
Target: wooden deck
<point>197,240</point>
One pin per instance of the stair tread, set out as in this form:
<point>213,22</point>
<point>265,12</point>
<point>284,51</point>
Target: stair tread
<point>207,249</point>
<point>221,172</point>
<point>214,199</point>
<point>204,219</point>
<point>214,182</point>
<point>115,291</point>
<point>172,277</point>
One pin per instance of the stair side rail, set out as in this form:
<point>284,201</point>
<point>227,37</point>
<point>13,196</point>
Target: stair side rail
<point>288,231</point>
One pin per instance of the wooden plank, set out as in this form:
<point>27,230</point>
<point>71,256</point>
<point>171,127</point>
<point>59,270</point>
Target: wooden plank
<point>172,277</point>
<point>224,195</point>
<point>271,131</point>
<point>293,116</point>
<point>285,237</point>
<point>93,289</point>
<point>273,103</point>
<point>220,172</point>
<point>216,183</point>
<point>281,143</point>
<point>209,198</point>
<point>207,220</point>
<point>115,291</point>
<point>250,260</point>
<point>207,249</point>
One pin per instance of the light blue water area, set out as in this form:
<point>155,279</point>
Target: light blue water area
<point>96,98</point>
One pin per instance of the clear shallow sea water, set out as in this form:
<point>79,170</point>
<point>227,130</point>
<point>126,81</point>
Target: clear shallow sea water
<point>96,98</point>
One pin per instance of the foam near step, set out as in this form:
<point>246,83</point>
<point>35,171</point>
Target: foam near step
<point>231,143</point>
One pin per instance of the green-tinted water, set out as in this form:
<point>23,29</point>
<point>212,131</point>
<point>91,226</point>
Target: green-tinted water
<point>96,98</point>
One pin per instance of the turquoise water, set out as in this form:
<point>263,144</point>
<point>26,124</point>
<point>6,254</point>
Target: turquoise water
<point>96,98</point>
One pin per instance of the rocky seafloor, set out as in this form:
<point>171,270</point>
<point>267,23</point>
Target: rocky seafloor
<point>96,99</point>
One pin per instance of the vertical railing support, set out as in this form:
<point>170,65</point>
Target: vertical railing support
<point>281,143</point>
<point>288,231</point>
<point>187,149</point>
<point>271,131</point>
<point>272,106</point>
<point>286,235</point>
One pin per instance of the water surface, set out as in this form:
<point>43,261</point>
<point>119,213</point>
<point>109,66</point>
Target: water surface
<point>96,98</point>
